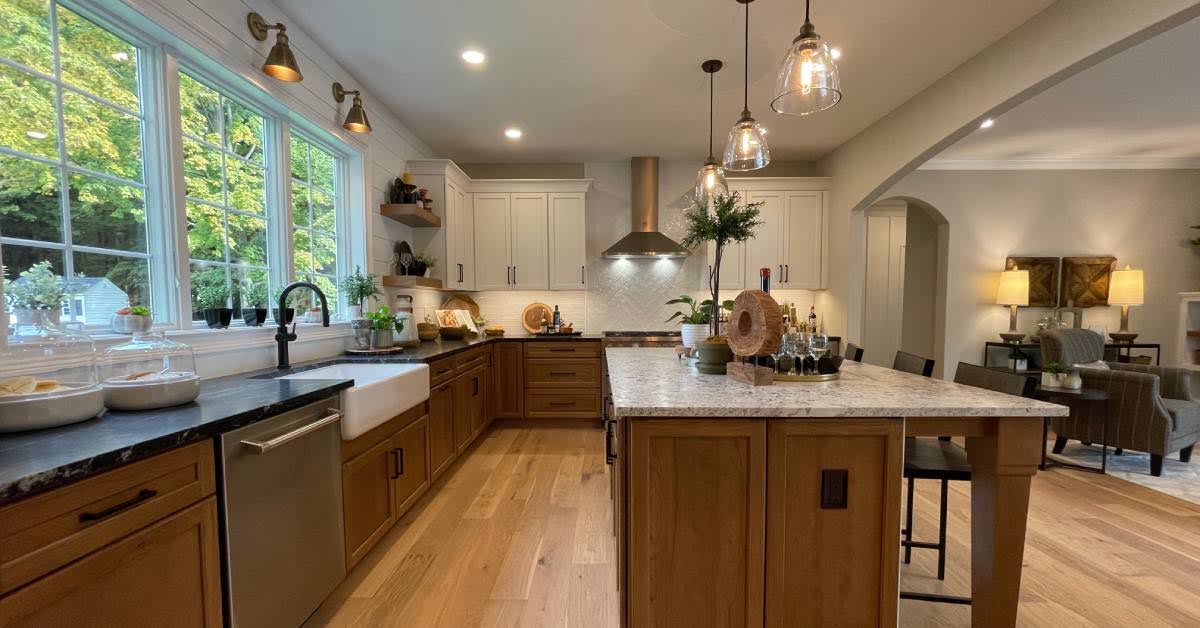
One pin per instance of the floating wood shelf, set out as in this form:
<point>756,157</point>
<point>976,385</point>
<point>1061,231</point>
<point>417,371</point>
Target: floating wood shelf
<point>408,281</point>
<point>410,214</point>
<point>1193,333</point>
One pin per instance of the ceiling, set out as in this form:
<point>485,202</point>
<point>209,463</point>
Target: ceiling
<point>601,80</point>
<point>1135,110</point>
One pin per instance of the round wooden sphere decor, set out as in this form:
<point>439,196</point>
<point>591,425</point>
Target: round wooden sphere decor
<point>756,325</point>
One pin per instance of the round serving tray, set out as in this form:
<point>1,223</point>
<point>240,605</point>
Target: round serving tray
<point>789,377</point>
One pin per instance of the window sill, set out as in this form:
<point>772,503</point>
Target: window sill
<point>204,341</point>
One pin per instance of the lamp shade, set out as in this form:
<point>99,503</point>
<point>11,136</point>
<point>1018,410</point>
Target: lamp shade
<point>281,63</point>
<point>1014,288</point>
<point>1126,287</point>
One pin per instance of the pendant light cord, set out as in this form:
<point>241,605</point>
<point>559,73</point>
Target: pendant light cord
<point>806,10</point>
<point>746,67</point>
<point>710,114</point>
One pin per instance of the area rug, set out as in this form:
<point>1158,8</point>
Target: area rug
<point>1179,479</point>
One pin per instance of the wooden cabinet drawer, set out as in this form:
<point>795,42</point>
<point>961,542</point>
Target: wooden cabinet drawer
<point>470,359</point>
<point>47,531</point>
<point>441,370</point>
<point>568,404</point>
<point>551,373</point>
<point>561,349</point>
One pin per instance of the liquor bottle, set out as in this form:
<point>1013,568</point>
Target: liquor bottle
<point>557,323</point>
<point>812,319</point>
<point>764,279</point>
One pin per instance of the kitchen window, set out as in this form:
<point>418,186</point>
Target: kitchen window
<point>72,175</point>
<point>225,175</point>
<point>315,206</point>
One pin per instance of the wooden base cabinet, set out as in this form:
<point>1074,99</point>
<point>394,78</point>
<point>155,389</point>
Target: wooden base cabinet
<point>508,378</point>
<point>758,522</point>
<point>441,429</point>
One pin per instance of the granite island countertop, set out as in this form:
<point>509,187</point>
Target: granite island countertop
<point>649,382</point>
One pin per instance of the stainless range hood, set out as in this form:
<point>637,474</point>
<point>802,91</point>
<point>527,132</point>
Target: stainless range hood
<point>645,241</point>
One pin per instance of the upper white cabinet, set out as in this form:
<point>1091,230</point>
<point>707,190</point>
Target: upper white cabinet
<point>453,244</point>
<point>493,266</point>
<point>568,257</point>
<point>511,241</point>
<point>529,233</point>
<point>791,240</point>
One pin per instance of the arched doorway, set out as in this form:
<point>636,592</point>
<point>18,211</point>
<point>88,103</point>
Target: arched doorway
<point>904,287</point>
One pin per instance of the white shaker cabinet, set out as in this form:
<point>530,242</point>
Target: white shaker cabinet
<point>804,242</point>
<point>568,257</point>
<point>733,262</point>
<point>511,232</point>
<point>493,267</point>
<point>791,241</point>
<point>529,229</point>
<point>765,249</point>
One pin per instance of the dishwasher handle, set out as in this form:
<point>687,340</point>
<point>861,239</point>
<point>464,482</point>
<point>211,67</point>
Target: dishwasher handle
<point>263,446</point>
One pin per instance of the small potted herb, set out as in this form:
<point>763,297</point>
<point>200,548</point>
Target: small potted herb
<point>359,287</point>
<point>133,319</point>
<point>36,295</point>
<point>694,325</point>
<point>1054,375</point>
<point>384,326</point>
<point>213,301</point>
<point>422,265</point>
<point>254,304</point>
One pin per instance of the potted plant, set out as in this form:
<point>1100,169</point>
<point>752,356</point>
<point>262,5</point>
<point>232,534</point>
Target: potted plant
<point>132,319</point>
<point>289,313</point>
<point>254,304</point>
<point>36,295</point>
<point>724,223</point>
<point>1054,375</point>
<point>422,265</point>
<point>694,325</point>
<point>213,300</point>
<point>359,287</point>
<point>384,325</point>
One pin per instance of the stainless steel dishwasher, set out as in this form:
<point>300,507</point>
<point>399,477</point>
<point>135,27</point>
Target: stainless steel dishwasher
<point>281,501</point>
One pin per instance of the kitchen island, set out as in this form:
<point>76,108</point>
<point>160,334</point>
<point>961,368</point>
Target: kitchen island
<point>780,505</point>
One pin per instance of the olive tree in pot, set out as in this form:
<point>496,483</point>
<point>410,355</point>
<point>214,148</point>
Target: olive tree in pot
<point>722,223</point>
<point>359,287</point>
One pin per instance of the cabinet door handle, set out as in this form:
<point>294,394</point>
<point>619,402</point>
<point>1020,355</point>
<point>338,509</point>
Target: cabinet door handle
<point>787,273</point>
<point>474,386</point>
<point>608,450</point>
<point>514,275</point>
<point>781,273</point>
<point>583,274</point>
<point>142,496</point>
<point>398,462</point>
<point>460,273</point>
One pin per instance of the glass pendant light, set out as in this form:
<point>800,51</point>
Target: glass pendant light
<point>710,181</point>
<point>747,146</point>
<point>808,77</point>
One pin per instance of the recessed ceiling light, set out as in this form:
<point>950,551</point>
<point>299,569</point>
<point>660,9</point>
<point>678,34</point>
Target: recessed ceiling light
<point>836,53</point>
<point>987,123</point>
<point>120,56</point>
<point>473,56</point>
<point>513,133</point>
<point>36,135</point>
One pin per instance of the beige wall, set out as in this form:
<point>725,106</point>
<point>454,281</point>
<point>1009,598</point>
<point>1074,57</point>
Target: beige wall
<point>1140,217</point>
<point>1062,40</point>
<point>920,283</point>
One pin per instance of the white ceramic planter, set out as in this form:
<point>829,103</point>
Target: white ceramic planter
<point>129,323</point>
<point>355,311</point>
<point>693,333</point>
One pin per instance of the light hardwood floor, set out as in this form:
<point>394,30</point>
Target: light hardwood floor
<point>518,533</point>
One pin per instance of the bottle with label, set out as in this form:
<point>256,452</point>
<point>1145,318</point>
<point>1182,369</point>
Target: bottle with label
<point>812,319</point>
<point>764,279</point>
<point>556,323</point>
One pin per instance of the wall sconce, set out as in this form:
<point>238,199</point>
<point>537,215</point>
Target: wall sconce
<point>356,118</point>
<point>280,63</point>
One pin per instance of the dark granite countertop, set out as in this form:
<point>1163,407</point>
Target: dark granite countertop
<point>37,461</point>
<point>32,462</point>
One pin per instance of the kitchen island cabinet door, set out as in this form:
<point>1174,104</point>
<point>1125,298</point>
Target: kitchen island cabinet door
<point>410,463</point>
<point>696,522</point>
<point>833,564</point>
<point>441,429</point>
<point>167,574</point>
<point>508,371</point>
<point>368,500</point>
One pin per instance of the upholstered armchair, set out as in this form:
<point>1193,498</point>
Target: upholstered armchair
<point>1149,408</point>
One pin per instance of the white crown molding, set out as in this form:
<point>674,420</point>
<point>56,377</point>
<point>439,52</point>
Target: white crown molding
<point>779,184</point>
<point>1056,163</point>
<point>439,167</point>
<point>531,185</point>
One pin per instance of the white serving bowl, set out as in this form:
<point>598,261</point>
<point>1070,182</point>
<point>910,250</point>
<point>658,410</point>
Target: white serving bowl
<point>159,391</point>
<point>35,411</point>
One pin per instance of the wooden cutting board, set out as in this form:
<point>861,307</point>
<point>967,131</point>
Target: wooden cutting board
<point>532,315</point>
<point>462,302</point>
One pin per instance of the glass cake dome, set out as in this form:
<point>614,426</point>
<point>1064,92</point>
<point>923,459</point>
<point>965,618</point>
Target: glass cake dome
<point>48,373</point>
<point>150,371</point>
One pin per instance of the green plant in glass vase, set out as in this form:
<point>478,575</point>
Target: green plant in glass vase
<point>724,222</point>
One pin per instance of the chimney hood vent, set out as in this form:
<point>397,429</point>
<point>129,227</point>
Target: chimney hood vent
<point>645,241</point>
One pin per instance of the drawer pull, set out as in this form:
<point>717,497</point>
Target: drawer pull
<point>142,496</point>
<point>563,373</point>
<point>561,350</point>
<point>562,403</point>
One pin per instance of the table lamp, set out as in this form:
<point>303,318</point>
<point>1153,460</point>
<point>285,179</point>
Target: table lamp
<point>1013,292</point>
<point>1125,288</point>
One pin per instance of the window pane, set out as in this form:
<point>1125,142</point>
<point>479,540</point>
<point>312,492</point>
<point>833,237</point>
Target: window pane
<point>251,288</point>
<point>324,218</point>
<point>29,203</point>
<point>25,33</point>
<point>328,285</point>
<point>200,108</point>
<point>247,240</point>
<point>109,283</point>
<point>18,259</point>
<point>205,278</point>
<point>107,215</point>
<point>247,190</point>
<point>27,113</point>
<point>300,216</point>
<point>102,138</point>
<point>95,60</point>
<point>324,253</point>
<point>202,172</point>
<point>244,129</point>
<point>206,232</point>
<point>299,159</point>
<point>322,169</point>
<point>302,251</point>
